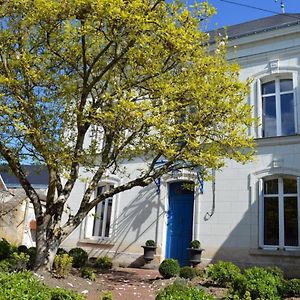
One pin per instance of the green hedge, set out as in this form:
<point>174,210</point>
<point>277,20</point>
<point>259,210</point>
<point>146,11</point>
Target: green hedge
<point>223,273</point>
<point>181,291</point>
<point>24,286</point>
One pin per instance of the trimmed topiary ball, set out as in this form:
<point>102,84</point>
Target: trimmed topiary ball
<point>80,257</point>
<point>195,244</point>
<point>169,268</point>
<point>22,248</point>
<point>150,243</point>
<point>187,272</point>
<point>104,263</point>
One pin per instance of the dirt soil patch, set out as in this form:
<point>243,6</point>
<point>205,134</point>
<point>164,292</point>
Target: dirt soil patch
<point>125,283</point>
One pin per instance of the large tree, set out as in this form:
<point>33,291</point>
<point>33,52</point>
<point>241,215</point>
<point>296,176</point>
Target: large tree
<point>139,72</point>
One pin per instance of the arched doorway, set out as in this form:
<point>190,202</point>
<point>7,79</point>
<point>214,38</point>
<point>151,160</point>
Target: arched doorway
<point>180,220</point>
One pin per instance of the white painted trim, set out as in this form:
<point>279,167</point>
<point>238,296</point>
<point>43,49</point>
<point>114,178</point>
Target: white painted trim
<point>264,76</point>
<point>260,213</point>
<point>259,106</point>
<point>278,140</point>
<point>87,224</point>
<point>280,197</point>
<point>281,213</point>
<point>278,107</point>
<point>296,112</point>
<point>276,172</point>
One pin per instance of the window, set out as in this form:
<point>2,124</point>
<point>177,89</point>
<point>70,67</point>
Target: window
<point>103,214</point>
<point>278,108</point>
<point>280,212</point>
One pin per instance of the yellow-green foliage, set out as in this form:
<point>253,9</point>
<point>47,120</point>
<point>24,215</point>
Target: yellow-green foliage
<point>147,67</point>
<point>106,295</point>
<point>62,264</point>
<point>141,72</point>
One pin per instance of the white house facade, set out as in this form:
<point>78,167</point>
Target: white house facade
<point>249,214</point>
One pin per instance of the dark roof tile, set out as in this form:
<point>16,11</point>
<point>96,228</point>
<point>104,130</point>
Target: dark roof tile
<point>257,26</point>
<point>36,174</point>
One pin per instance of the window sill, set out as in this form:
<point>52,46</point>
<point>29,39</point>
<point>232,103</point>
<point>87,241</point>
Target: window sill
<point>278,140</point>
<point>100,241</point>
<point>274,252</point>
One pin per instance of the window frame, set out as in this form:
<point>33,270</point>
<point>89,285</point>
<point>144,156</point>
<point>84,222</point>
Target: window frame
<point>280,196</point>
<point>259,110</point>
<point>90,219</point>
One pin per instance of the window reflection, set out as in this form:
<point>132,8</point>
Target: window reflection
<point>278,108</point>
<point>280,212</point>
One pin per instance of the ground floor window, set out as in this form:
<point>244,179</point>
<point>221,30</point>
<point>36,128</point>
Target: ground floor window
<point>280,206</point>
<point>103,214</point>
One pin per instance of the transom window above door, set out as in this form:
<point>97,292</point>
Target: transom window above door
<point>278,108</point>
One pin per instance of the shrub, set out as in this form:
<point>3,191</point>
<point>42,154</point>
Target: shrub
<point>22,248</point>
<point>259,282</point>
<point>169,268</point>
<point>292,288</point>
<point>150,243</point>
<point>62,294</point>
<point>62,264</point>
<point>19,261</point>
<point>199,272</point>
<point>195,244</point>
<point>187,272</point>
<point>5,265</point>
<point>80,257</point>
<point>16,263</point>
<point>61,251</point>
<point>275,271</point>
<point>5,249</point>
<point>32,255</point>
<point>103,263</point>
<point>107,295</point>
<point>88,273</point>
<point>223,273</point>
<point>22,285</point>
<point>181,291</point>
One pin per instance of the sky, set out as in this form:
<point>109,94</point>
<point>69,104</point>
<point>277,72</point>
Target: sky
<point>230,14</point>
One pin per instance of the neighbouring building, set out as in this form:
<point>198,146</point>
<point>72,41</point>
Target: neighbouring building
<point>17,218</point>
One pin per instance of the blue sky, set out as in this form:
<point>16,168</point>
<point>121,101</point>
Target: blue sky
<point>230,14</point>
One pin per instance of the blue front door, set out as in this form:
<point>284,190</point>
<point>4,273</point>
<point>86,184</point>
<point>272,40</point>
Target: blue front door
<point>180,221</point>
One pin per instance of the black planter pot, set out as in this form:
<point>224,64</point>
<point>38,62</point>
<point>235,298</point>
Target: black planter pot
<point>149,252</point>
<point>195,255</point>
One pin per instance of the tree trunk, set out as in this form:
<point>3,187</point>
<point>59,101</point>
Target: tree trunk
<point>46,248</point>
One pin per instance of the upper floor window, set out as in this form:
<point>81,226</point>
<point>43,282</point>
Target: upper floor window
<point>280,212</point>
<point>103,214</point>
<point>278,108</point>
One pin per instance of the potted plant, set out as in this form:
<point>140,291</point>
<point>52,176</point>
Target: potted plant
<point>195,252</point>
<point>149,250</point>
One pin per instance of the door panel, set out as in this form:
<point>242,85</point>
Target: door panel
<point>180,221</point>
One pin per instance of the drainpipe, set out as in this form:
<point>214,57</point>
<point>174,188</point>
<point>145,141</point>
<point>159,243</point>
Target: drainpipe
<point>208,215</point>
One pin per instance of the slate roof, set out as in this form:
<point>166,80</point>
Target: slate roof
<point>36,174</point>
<point>258,26</point>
